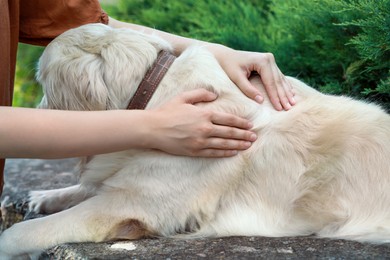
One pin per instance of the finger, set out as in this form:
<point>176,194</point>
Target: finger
<point>282,94</point>
<point>248,89</point>
<point>220,147</point>
<point>271,87</point>
<point>198,95</point>
<point>289,91</point>
<point>227,132</point>
<point>227,144</point>
<point>222,118</point>
<point>286,94</point>
<point>215,153</point>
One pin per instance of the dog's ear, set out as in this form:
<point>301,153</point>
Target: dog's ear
<point>72,70</point>
<point>72,82</point>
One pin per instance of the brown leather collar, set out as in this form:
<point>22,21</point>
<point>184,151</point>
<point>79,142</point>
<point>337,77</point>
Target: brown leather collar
<point>151,80</point>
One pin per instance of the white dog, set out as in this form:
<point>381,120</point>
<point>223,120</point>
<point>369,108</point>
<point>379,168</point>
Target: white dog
<point>320,168</point>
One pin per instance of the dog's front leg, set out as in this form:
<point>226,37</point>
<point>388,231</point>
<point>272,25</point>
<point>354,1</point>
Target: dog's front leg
<point>93,220</point>
<point>52,201</point>
<point>31,236</point>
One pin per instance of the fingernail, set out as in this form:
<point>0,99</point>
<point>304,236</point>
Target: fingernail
<point>250,125</point>
<point>259,99</point>
<point>253,137</point>
<point>248,144</point>
<point>293,100</point>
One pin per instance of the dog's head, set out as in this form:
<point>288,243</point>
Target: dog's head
<point>113,61</point>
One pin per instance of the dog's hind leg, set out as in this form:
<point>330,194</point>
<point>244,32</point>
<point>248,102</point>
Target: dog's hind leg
<point>52,201</point>
<point>93,220</point>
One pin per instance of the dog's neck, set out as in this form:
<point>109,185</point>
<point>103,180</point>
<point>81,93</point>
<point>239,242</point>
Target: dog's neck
<point>151,80</point>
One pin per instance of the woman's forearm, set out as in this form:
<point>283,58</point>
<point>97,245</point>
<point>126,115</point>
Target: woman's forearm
<point>37,133</point>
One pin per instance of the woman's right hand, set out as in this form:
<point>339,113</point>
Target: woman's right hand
<point>179,127</point>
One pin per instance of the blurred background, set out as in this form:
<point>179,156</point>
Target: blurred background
<point>336,46</point>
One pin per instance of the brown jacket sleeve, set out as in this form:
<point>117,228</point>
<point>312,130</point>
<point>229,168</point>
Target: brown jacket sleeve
<point>43,20</point>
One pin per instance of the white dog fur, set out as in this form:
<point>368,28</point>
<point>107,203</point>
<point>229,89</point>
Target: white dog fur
<point>320,168</point>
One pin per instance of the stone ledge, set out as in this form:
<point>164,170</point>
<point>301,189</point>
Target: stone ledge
<point>225,248</point>
<point>24,175</point>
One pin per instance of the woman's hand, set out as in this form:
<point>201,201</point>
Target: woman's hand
<point>182,128</point>
<point>240,64</point>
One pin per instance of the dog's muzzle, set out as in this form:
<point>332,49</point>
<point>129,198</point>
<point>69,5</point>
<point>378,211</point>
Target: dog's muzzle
<point>152,79</point>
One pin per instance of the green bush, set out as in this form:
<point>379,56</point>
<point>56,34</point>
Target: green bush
<point>235,23</point>
<point>27,92</point>
<point>337,46</point>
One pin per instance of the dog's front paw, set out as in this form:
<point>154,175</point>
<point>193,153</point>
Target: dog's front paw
<point>44,201</point>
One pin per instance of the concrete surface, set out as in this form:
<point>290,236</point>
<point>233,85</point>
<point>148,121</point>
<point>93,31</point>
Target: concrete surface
<point>24,175</point>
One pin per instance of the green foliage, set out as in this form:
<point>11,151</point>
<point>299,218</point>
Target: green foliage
<point>27,92</point>
<point>337,46</point>
<point>232,22</point>
<point>164,15</point>
<point>340,47</point>
<point>237,24</point>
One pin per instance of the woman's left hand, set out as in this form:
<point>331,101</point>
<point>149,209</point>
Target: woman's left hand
<point>240,64</point>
